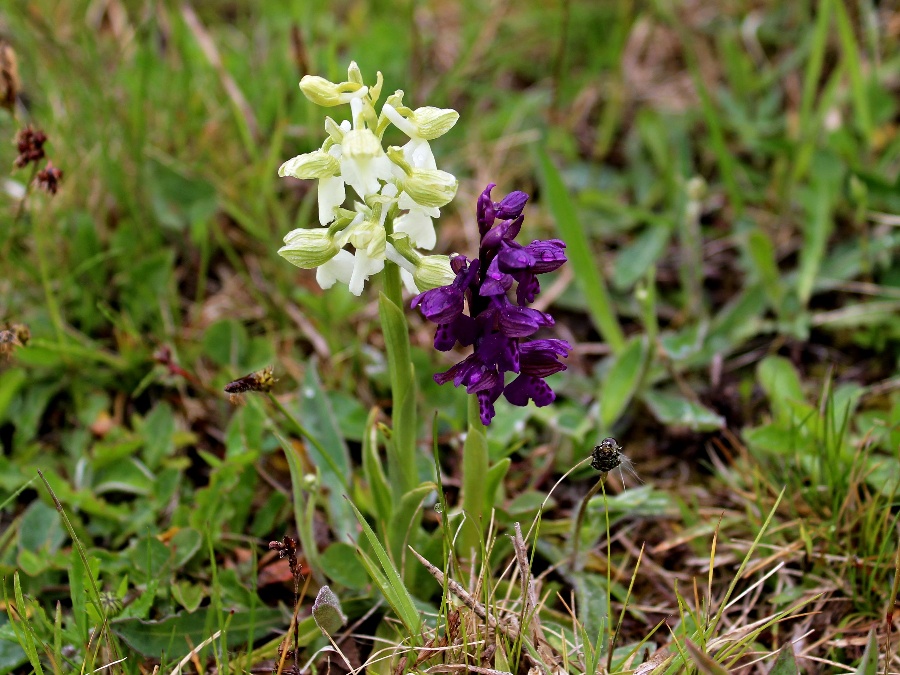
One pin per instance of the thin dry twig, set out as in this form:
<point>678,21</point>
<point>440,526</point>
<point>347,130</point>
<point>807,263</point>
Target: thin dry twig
<point>530,615</point>
<point>507,628</point>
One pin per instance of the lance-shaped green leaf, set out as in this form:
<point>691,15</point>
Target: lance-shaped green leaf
<point>387,578</point>
<point>330,454</point>
<point>402,467</point>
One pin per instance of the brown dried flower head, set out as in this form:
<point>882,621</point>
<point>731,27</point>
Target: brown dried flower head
<point>48,178</point>
<point>30,144</point>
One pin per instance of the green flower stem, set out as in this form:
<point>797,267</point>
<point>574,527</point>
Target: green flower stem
<point>402,449</point>
<point>579,520</point>
<point>474,474</point>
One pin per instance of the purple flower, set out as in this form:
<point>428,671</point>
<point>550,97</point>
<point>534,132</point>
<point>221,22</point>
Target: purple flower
<point>495,325</point>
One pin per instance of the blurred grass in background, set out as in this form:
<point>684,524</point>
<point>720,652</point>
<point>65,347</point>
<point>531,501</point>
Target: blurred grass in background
<point>728,171</point>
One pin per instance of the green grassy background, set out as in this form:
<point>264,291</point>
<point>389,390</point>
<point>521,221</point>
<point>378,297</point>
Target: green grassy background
<point>726,172</point>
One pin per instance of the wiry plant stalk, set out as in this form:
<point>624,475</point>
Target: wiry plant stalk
<point>605,457</point>
<point>582,509</point>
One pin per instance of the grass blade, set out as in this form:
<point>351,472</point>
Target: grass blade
<point>388,579</point>
<point>578,250</point>
<point>858,92</point>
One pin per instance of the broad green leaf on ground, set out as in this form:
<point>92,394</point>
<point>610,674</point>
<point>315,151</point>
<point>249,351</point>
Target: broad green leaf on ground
<point>785,663</point>
<point>340,563</point>
<point>128,476</point>
<point>176,635</point>
<point>158,430</point>
<point>683,344</point>
<point>622,380</point>
<point>11,654</point>
<point>634,259</point>
<point>334,465</point>
<point>675,410</point>
<point>10,382</point>
<point>781,382</point>
<point>593,609</point>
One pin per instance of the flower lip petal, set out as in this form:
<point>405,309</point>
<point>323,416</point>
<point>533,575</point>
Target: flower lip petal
<point>522,321</point>
<point>486,401</point>
<point>528,288</point>
<point>526,387</point>
<point>540,357</point>
<point>440,305</point>
<point>444,337</point>
<point>547,345</point>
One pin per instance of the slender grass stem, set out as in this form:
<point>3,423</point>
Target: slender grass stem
<point>582,509</point>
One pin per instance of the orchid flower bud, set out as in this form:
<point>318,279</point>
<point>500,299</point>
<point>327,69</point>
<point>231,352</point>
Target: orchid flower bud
<point>428,271</point>
<point>328,94</point>
<point>316,164</point>
<point>308,248</point>
<point>427,187</point>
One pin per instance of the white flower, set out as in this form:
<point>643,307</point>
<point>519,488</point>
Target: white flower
<point>418,153</point>
<point>417,225</point>
<point>318,164</point>
<point>409,282</point>
<point>325,166</point>
<point>363,268</point>
<point>426,187</point>
<point>331,195</point>
<point>339,268</point>
<point>421,125</point>
<point>363,162</point>
<point>403,184</point>
<point>353,269</point>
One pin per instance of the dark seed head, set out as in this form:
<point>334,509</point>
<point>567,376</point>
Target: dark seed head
<point>606,456</point>
<point>48,178</point>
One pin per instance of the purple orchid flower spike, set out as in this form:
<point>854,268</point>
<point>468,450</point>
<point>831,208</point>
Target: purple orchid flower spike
<point>495,326</point>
